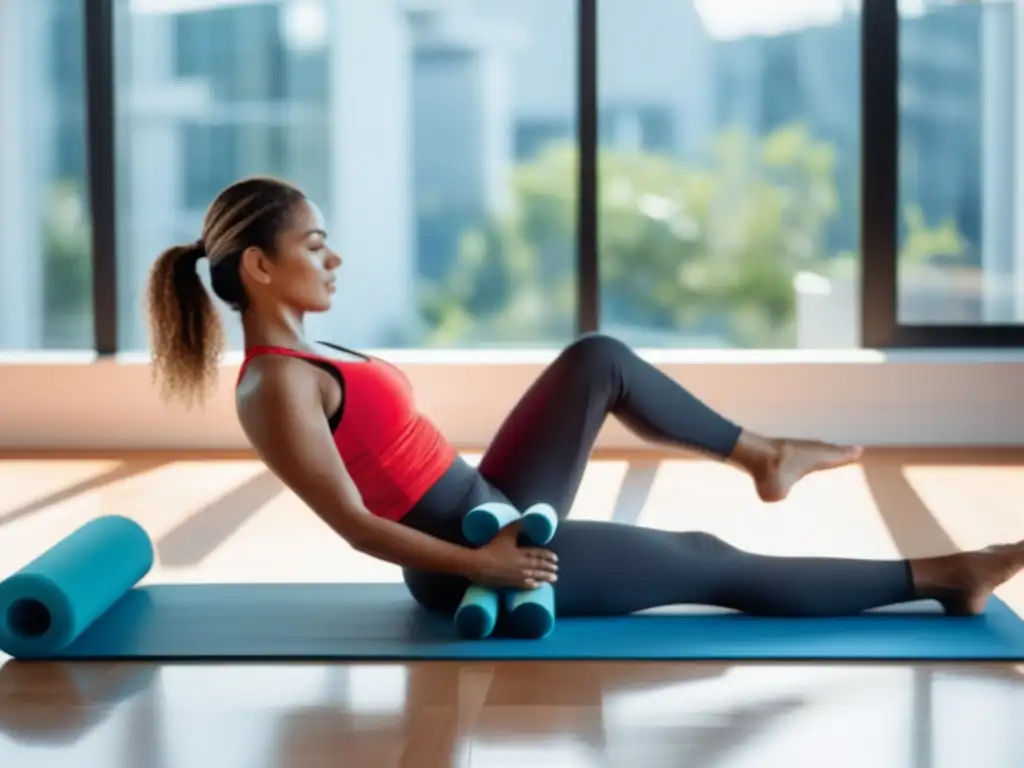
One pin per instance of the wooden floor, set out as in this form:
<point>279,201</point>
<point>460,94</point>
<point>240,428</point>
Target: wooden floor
<point>228,520</point>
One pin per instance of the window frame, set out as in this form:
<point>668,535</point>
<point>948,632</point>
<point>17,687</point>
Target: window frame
<point>101,167</point>
<point>880,327</point>
<point>880,180</point>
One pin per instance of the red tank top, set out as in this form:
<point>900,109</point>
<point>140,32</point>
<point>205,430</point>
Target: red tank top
<point>392,451</point>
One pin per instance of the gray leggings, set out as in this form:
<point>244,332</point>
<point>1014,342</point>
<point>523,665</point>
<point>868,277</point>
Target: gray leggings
<point>608,568</point>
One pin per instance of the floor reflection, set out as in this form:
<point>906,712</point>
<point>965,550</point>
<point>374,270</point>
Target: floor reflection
<point>534,714</point>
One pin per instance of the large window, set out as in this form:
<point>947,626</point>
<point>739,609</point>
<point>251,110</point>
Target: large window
<point>45,267</point>
<point>509,173</point>
<point>960,261</point>
<point>729,173</point>
<point>437,138</point>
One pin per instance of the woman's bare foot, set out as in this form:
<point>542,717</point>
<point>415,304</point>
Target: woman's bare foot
<point>790,460</point>
<point>964,582</point>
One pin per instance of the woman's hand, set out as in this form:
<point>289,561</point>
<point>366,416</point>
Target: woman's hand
<point>503,564</point>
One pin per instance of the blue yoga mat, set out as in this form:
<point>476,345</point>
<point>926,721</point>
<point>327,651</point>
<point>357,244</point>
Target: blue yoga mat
<point>80,601</point>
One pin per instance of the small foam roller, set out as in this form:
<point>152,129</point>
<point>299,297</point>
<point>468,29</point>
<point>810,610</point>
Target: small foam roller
<point>50,602</point>
<point>539,523</point>
<point>532,611</point>
<point>477,614</point>
<point>482,523</point>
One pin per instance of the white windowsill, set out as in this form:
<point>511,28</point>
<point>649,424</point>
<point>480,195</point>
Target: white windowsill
<point>531,356</point>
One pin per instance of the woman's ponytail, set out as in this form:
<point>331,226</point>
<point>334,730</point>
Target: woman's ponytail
<point>186,336</point>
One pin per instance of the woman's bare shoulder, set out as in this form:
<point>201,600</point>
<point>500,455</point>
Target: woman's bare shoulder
<point>273,382</point>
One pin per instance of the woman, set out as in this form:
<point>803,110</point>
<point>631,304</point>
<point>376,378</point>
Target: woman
<point>341,430</point>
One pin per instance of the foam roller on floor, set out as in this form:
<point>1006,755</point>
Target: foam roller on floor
<point>50,602</point>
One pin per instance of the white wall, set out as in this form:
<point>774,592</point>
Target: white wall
<point>914,399</point>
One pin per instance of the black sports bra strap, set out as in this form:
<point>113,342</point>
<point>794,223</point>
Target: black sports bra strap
<point>345,349</point>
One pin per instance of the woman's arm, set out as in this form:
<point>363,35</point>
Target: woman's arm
<point>283,417</point>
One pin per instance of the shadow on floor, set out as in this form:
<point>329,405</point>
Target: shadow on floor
<point>123,471</point>
<point>194,539</point>
<point>913,527</point>
<point>635,490</point>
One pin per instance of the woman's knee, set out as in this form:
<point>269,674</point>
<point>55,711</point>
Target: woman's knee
<point>595,349</point>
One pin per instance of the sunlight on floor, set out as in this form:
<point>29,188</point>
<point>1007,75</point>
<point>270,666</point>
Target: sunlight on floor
<point>230,520</point>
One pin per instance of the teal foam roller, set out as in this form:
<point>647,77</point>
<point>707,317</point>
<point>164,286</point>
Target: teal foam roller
<point>477,614</point>
<point>482,523</point>
<point>50,602</point>
<point>539,523</point>
<point>532,611</point>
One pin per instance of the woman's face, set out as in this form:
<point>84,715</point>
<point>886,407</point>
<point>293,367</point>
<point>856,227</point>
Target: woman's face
<point>301,275</point>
